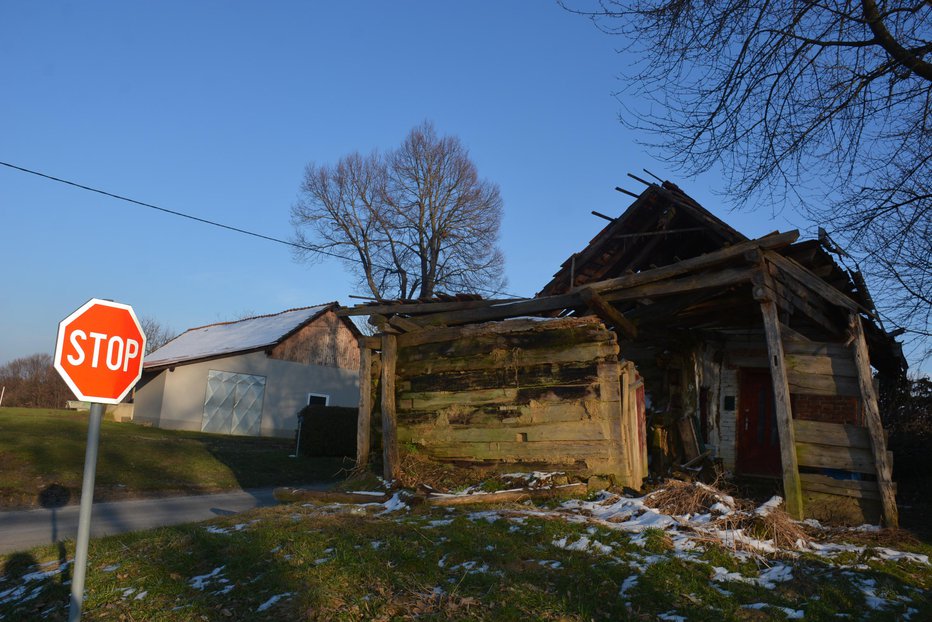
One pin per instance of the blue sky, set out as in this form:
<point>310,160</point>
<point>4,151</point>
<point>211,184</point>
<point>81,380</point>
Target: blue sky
<point>214,109</point>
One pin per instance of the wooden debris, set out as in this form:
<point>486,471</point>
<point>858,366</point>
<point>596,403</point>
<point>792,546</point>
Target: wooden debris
<point>294,495</point>
<point>509,496</point>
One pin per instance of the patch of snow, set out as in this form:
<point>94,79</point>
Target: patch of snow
<point>376,544</point>
<point>583,544</point>
<point>200,582</point>
<point>141,595</point>
<point>394,504</point>
<point>111,568</point>
<point>627,585</point>
<point>271,601</point>
<point>552,564</point>
<point>373,493</point>
<point>791,614</point>
<point>671,616</point>
<point>768,579</point>
<point>440,522</point>
<point>778,573</point>
<point>764,510</point>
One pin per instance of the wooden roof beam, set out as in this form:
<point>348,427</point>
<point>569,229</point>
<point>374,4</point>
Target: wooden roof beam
<point>721,278</point>
<point>814,283</point>
<point>500,311</point>
<point>414,308</point>
<point>608,313</point>
<point>693,264</point>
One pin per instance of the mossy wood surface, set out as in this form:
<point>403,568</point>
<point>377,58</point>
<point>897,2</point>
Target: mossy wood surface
<point>525,392</point>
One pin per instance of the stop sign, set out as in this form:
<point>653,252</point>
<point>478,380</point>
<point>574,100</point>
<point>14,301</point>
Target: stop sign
<point>99,351</point>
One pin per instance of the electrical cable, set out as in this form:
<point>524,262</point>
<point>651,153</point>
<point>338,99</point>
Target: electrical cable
<point>206,221</point>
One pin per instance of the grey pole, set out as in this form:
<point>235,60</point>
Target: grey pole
<point>84,515</point>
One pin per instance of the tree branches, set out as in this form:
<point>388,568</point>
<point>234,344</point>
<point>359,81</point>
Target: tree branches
<point>824,104</point>
<point>413,222</point>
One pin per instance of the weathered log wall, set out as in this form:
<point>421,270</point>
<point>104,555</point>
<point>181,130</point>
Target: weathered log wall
<point>541,394</point>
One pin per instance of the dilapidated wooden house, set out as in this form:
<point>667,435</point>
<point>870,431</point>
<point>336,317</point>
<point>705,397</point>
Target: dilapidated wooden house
<point>758,353</point>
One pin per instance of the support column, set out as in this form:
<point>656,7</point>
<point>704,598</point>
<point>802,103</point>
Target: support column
<point>392,467</point>
<point>874,424</point>
<point>363,422</point>
<point>792,487</point>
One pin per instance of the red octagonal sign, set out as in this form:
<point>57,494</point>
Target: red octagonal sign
<point>99,351</point>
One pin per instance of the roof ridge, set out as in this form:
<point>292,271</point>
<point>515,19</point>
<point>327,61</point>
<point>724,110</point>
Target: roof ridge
<point>258,317</point>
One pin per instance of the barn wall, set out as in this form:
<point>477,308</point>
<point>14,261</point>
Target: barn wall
<point>542,394</point>
<point>175,400</point>
<point>327,342</point>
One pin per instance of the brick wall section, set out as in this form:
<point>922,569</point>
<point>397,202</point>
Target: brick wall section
<point>827,408</point>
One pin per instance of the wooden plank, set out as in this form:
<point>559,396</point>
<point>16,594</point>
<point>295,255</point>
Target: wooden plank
<point>823,365</point>
<point>809,280</point>
<point>435,400</point>
<point>498,358</point>
<point>373,343</point>
<point>501,311</point>
<point>688,437</point>
<point>392,464</point>
<point>781,393</point>
<point>546,374</point>
<point>611,409</point>
<point>817,348</point>
<point>430,433</point>
<point>835,457</point>
<point>693,264</point>
<point>413,308</point>
<point>801,302</point>
<point>856,489</point>
<point>482,344</point>
<point>607,312</point>
<point>694,283</point>
<point>553,452</point>
<point>818,384</point>
<point>453,333</point>
<point>884,467</point>
<point>837,434</point>
<point>509,496</point>
<point>363,422</point>
<point>403,324</point>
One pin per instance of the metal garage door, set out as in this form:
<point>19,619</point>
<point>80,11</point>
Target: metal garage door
<point>233,404</point>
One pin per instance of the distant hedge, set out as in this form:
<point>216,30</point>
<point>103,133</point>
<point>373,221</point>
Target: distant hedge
<point>328,431</point>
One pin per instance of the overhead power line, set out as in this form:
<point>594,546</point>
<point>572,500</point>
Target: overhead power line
<point>201,220</point>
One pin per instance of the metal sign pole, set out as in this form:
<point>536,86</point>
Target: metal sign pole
<point>84,516</point>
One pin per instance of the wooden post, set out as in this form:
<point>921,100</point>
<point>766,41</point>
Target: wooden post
<point>363,421</point>
<point>874,424</point>
<point>392,468</point>
<point>792,487</point>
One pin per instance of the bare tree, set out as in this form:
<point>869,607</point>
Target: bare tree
<point>413,222</point>
<point>822,103</point>
<point>157,335</point>
<point>32,382</point>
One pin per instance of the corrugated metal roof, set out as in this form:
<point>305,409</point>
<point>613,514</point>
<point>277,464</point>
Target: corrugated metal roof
<point>231,337</point>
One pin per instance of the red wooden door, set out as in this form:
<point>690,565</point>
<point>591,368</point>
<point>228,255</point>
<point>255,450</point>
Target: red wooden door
<point>758,439</point>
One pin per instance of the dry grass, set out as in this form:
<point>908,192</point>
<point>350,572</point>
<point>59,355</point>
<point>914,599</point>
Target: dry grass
<point>676,498</point>
<point>775,525</point>
<point>418,470</point>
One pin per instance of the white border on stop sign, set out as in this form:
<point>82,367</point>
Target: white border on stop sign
<point>60,346</point>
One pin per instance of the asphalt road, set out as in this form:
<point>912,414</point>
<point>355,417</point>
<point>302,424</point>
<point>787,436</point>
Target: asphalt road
<point>24,529</point>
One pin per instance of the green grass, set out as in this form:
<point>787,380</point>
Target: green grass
<point>40,448</point>
<point>341,563</point>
